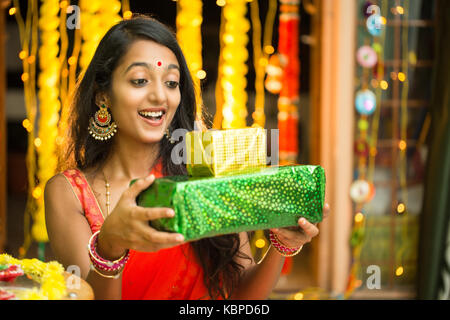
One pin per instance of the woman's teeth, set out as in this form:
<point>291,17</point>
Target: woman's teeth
<point>152,115</point>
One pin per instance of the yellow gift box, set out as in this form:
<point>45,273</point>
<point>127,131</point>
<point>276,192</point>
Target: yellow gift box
<point>224,152</point>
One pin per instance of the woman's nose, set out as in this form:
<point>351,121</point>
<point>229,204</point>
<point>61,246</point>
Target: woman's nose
<point>157,94</point>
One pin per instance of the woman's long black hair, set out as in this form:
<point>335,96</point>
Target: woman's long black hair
<point>216,255</point>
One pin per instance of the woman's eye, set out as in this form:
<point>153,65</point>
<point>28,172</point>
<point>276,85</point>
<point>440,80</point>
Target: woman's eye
<point>139,82</point>
<point>172,84</point>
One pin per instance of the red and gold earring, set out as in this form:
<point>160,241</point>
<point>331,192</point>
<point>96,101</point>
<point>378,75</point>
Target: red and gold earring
<point>100,126</point>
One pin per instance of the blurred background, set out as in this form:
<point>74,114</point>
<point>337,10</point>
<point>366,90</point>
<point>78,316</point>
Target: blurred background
<point>359,87</point>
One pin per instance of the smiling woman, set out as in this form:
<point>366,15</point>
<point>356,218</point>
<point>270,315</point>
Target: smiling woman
<point>139,85</point>
<point>145,93</point>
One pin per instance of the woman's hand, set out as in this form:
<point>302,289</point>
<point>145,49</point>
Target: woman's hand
<point>297,237</point>
<point>127,226</point>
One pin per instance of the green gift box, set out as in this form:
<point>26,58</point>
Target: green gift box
<point>271,197</point>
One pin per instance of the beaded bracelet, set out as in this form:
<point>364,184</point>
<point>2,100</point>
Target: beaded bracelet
<point>99,263</point>
<point>282,249</point>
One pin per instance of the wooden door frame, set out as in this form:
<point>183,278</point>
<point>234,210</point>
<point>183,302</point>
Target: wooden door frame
<point>3,134</point>
<point>332,135</point>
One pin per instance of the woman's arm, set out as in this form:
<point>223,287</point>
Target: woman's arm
<point>258,280</point>
<point>125,228</point>
<point>69,234</point>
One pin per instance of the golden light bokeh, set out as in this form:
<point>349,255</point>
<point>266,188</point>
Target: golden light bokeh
<point>401,208</point>
<point>359,217</point>
<point>260,243</point>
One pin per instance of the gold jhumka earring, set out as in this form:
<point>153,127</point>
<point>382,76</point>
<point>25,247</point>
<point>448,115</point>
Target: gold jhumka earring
<point>100,125</point>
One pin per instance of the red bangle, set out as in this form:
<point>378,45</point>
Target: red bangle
<point>102,264</point>
<point>282,249</point>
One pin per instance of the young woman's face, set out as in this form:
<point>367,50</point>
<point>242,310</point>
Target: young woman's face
<point>145,91</point>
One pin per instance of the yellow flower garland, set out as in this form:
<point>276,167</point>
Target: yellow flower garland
<point>189,21</point>
<point>49,275</point>
<point>232,64</point>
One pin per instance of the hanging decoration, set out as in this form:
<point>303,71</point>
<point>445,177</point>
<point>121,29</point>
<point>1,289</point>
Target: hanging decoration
<point>28,32</point>
<point>366,57</point>
<point>49,105</point>
<point>402,203</point>
<point>261,56</point>
<point>365,102</point>
<point>189,21</point>
<point>274,71</point>
<point>260,61</point>
<point>97,17</point>
<point>288,101</point>
<point>283,74</point>
<point>68,78</point>
<point>362,190</point>
<point>232,65</point>
<point>55,83</point>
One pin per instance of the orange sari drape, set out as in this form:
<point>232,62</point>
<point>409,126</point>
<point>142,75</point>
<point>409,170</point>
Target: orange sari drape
<point>167,274</point>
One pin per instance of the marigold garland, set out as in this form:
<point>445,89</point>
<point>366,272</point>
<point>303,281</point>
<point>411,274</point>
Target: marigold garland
<point>50,275</point>
<point>189,21</point>
<point>232,65</point>
<point>49,106</point>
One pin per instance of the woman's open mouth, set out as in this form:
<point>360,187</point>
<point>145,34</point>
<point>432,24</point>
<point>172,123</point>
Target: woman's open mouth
<point>154,118</point>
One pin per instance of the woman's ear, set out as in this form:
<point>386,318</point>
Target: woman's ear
<point>101,99</point>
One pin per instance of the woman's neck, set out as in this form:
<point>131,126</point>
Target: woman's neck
<point>130,160</point>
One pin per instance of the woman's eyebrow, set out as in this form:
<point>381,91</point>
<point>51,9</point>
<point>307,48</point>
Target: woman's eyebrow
<point>150,66</point>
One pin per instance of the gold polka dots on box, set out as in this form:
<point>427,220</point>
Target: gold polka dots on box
<point>273,197</point>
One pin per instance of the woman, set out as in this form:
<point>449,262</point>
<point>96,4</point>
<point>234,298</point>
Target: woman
<point>138,86</point>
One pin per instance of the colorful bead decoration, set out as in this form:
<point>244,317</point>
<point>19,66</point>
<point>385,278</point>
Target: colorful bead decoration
<point>359,191</point>
<point>361,148</point>
<point>375,25</point>
<point>365,102</point>
<point>366,57</point>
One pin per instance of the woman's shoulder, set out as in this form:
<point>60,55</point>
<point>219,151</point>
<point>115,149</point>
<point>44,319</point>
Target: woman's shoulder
<point>61,178</point>
<point>59,188</point>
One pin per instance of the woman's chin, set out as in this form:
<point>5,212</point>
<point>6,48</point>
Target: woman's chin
<point>153,138</point>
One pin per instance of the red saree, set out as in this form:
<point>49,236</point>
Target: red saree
<point>169,274</point>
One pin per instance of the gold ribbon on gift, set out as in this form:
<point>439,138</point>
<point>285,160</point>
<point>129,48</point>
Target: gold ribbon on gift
<point>225,152</point>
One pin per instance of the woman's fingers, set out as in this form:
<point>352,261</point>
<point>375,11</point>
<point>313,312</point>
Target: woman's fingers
<point>326,211</point>
<point>145,214</point>
<point>309,229</point>
<point>150,239</point>
<point>297,238</point>
<point>163,237</point>
<point>140,185</point>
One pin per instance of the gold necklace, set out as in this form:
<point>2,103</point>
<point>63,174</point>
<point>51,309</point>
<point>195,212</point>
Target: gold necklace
<point>108,195</point>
